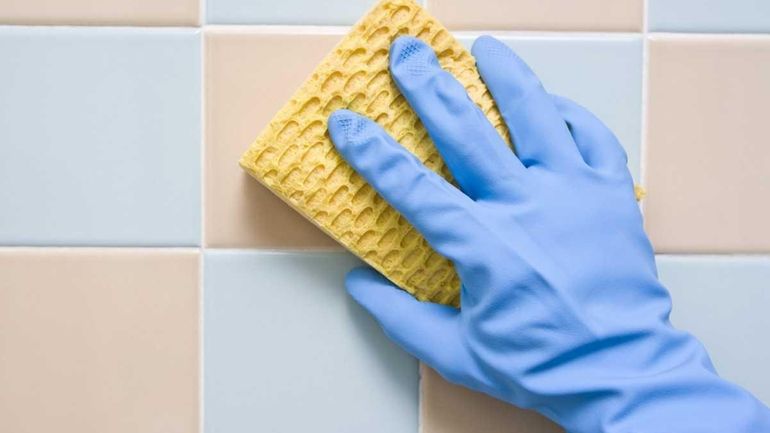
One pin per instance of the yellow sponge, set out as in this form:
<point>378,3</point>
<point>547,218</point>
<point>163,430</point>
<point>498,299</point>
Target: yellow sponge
<point>295,158</point>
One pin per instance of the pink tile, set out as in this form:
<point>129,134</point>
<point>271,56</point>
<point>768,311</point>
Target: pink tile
<point>448,408</point>
<point>708,151</point>
<point>98,340</point>
<point>250,74</point>
<point>102,12</point>
<point>584,15</point>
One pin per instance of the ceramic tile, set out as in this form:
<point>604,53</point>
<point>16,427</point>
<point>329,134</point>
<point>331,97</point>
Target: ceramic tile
<point>103,12</point>
<point>98,340</point>
<point>724,302</point>
<point>709,15</point>
<point>249,76</point>
<point>448,408</point>
<point>340,12</point>
<point>287,350</point>
<point>707,152</point>
<point>603,74</point>
<point>100,133</point>
<point>590,15</point>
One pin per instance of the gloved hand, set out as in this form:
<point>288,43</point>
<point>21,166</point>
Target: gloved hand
<point>561,307</point>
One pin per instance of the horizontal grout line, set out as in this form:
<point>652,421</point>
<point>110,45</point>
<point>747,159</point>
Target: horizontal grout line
<point>278,29</point>
<point>546,34</point>
<point>312,29</point>
<point>736,255</point>
<point>278,251</point>
<point>107,27</point>
<point>31,248</point>
<point>341,30</point>
<point>747,36</point>
<point>721,256</point>
<point>291,251</point>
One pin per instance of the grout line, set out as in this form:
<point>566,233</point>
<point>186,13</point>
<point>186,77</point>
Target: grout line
<point>645,101</point>
<point>293,29</point>
<point>546,34</point>
<point>102,27</point>
<point>711,35</point>
<point>280,252</point>
<point>201,250</point>
<point>420,396</point>
<point>201,344</point>
<point>203,139</point>
<point>723,257</point>
<point>88,248</point>
<point>278,29</point>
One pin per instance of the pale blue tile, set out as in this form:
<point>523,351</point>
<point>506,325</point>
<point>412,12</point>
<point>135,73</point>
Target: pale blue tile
<point>604,74</point>
<point>328,12</point>
<point>724,301</point>
<point>749,16</point>
<point>99,136</point>
<point>287,350</point>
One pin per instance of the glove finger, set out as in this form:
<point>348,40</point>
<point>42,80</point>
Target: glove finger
<point>596,143</point>
<point>428,331</point>
<point>540,135</point>
<point>428,201</point>
<point>478,157</point>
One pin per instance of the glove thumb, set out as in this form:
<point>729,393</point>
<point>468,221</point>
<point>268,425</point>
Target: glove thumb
<point>427,331</point>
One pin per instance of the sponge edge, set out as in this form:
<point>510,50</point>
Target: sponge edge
<point>295,158</point>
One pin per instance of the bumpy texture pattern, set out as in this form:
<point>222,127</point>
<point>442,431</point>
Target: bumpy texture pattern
<point>295,158</point>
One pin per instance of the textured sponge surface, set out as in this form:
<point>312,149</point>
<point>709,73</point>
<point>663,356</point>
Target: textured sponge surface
<point>295,158</point>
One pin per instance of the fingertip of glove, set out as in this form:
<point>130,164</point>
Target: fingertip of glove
<point>360,277</point>
<point>487,48</point>
<point>482,44</point>
<point>364,283</point>
<point>410,56</point>
<point>344,125</point>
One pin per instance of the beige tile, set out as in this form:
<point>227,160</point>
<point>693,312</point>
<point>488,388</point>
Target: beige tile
<point>102,12</point>
<point>98,340</point>
<point>250,74</point>
<point>708,152</point>
<point>448,408</point>
<point>583,15</point>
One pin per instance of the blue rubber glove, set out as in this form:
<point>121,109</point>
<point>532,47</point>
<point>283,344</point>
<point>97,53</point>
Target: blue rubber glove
<point>562,310</point>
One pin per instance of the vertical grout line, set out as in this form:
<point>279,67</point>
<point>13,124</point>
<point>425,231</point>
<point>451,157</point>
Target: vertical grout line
<point>203,129</point>
<point>202,249</point>
<point>201,346</point>
<point>645,99</point>
<point>420,391</point>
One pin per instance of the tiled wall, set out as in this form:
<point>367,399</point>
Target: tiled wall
<point>147,284</point>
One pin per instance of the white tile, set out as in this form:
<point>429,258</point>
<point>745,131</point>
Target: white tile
<point>748,16</point>
<point>99,136</point>
<point>287,350</point>
<point>340,12</point>
<point>724,301</point>
<point>604,74</point>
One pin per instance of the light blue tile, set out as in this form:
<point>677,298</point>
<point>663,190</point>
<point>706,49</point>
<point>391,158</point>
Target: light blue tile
<point>724,301</point>
<point>99,136</point>
<point>604,74</point>
<point>286,350</point>
<point>749,16</point>
<point>339,12</point>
